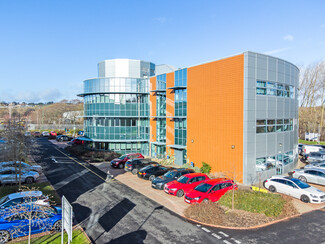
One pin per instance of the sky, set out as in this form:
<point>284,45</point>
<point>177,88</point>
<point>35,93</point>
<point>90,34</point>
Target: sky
<point>47,48</point>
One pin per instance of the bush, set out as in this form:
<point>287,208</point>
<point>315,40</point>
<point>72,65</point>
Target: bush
<point>256,202</point>
<point>206,168</point>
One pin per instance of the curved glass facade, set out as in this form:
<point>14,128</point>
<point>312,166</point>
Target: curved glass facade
<point>116,112</point>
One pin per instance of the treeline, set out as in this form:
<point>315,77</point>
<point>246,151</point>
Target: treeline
<point>312,99</point>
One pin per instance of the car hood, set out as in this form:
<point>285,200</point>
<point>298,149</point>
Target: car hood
<point>194,193</point>
<point>174,184</point>
<point>162,179</point>
<point>314,191</point>
<point>36,167</point>
<point>116,160</point>
<point>30,173</point>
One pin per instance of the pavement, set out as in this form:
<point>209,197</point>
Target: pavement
<point>112,212</point>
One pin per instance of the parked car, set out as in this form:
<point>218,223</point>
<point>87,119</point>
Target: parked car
<point>76,141</point>
<point>133,165</point>
<point>24,166</point>
<point>160,181</point>
<point>184,184</point>
<point>152,171</point>
<point>45,133</point>
<point>315,156</point>
<point>300,148</point>
<point>63,138</point>
<point>210,190</point>
<point>37,134</point>
<point>120,162</point>
<point>28,134</point>
<point>14,221</point>
<point>8,175</point>
<point>53,133</point>
<point>13,199</point>
<point>295,188</point>
<point>311,175</point>
<point>320,164</point>
<point>306,149</point>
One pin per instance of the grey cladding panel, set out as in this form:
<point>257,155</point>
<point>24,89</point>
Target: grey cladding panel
<point>260,145</point>
<point>261,74</point>
<point>271,144</point>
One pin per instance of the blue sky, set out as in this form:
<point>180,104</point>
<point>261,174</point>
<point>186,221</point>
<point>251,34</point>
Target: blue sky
<point>47,48</point>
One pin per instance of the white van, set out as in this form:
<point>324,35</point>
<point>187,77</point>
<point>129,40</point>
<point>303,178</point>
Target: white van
<point>306,149</point>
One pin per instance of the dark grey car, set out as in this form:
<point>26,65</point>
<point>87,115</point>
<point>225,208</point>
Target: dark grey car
<point>316,156</point>
<point>160,181</point>
<point>8,176</point>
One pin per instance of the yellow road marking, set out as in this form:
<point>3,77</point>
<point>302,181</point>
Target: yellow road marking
<point>81,165</point>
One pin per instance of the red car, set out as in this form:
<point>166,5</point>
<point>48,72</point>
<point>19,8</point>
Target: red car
<point>210,190</point>
<point>76,141</point>
<point>185,183</point>
<point>120,162</point>
<point>53,133</point>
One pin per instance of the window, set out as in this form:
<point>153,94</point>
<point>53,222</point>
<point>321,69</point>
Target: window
<point>272,125</point>
<point>225,185</point>
<point>274,89</point>
<point>216,187</point>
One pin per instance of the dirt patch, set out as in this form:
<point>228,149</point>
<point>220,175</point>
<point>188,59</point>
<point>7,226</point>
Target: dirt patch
<point>214,213</point>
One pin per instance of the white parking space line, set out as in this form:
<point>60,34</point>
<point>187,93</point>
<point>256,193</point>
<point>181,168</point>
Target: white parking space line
<point>54,160</point>
<point>205,229</point>
<point>224,234</point>
<point>198,225</point>
<point>228,242</point>
<point>238,242</point>
<point>216,236</point>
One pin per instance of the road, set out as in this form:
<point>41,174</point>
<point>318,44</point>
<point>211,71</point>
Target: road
<point>111,212</point>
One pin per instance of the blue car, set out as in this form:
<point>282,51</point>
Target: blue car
<point>14,221</point>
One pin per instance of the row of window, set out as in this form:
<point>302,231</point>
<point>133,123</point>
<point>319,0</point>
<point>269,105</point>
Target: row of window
<point>117,133</point>
<point>277,161</point>
<point>180,102</point>
<point>116,99</point>
<point>181,77</point>
<point>123,148</point>
<point>116,85</point>
<point>116,122</point>
<point>161,130</point>
<point>180,131</point>
<point>273,125</point>
<point>161,105</point>
<point>109,109</point>
<point>161,82</point>
<point>274,89</point>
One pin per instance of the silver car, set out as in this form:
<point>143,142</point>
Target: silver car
<point>24,197</point>
<point>8,176</point>
<point>312,175</point>
<point>315,156</point>
<point>320,164</point>
<point>24,166</point>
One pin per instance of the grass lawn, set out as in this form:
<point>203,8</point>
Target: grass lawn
<point>256,202</point>
<point>78,237</point>
<point>311,142</point>
<point>45,187</point>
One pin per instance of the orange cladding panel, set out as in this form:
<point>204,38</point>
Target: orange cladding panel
<point>170,108</point>
<point>153,103</point>
<point>215,95</point>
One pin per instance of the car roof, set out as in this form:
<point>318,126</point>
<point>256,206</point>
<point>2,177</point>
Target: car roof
<point>317,169</point>
<point>25,194</point>
<point>214,181</point>
<point>191,175</point>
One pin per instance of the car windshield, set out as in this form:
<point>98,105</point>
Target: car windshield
<point>203,187</point>
<point>122,157</point>
<point>170,174</point>
<point>3,200</point>
<point>183,179</point>
<point>301,184</point>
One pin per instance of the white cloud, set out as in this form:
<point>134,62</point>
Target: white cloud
<point>161,20</point>
<point>288,38</point>
<point>51,94</point>
<point>276,51</point>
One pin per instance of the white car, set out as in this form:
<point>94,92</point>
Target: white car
<point>320,164</point>
<point>24,166</point>
<point>295,188</point>
<point>311,175</point>
<point>13,199</point>
<point>45,133</point>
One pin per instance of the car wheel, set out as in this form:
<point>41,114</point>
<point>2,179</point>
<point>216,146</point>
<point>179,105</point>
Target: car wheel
<point>302,178</point>
<point>304,199</point>
<point>272,189</point>
<point>205,200</point>
<point>151,178</point>
<point>134,171</point>
<point>29,180</point>
<point>4,236</point>
<point>57,226</point>
<point>121,166</point>
<point>180,193</point>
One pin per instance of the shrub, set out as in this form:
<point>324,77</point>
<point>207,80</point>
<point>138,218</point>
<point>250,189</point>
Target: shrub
<point>206,168</point>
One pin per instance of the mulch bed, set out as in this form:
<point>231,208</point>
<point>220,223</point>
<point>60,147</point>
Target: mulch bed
<point>213,213</point>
